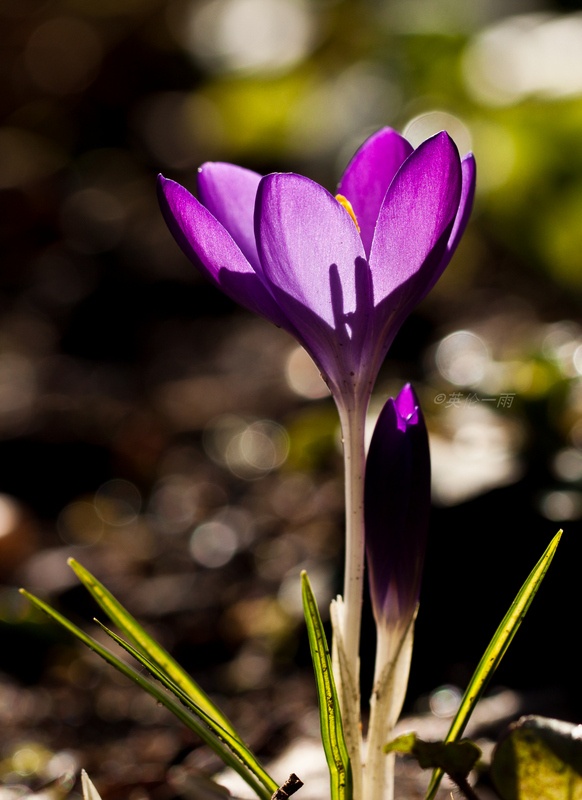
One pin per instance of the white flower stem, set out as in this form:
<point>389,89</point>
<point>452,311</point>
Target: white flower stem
<point>347,612</point>
<point>393,654</point>
<point>353,422</point>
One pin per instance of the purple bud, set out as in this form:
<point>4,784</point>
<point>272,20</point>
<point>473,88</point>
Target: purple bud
<point>397,508</point>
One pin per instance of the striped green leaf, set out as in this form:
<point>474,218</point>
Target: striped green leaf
<point>143,642</point>
<point>497,648</point>
<point>332,733</point>
<point>228,747</point>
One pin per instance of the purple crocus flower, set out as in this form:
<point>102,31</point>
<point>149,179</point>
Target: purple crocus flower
<point>397,507</point>
<point>340,274</point>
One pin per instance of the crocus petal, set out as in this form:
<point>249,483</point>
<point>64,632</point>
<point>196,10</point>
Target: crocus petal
<point>229,193</point>
<point>397,507</point>
<point>469,175</point>
<point>461,220</point>
<point>342,289</point>
<point>416,217</point>
<point>314,264</point>
<point>368,176</point>
<point>211,248</point>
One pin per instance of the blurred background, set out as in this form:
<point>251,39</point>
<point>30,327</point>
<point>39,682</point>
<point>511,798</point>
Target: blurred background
<point>188,453</point>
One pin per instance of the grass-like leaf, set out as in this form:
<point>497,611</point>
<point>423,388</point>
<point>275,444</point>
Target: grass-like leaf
<point>229,749</point>
<point>155,652</point>
<point>495,651</point>
<point>169,672</point>
<point>332,733</point>
<point>233,742</point>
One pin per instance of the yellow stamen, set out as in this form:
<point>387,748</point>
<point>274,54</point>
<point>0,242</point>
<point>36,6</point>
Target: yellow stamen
<point>343,201</point>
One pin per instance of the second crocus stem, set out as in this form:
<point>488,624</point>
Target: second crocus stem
<point>393,654</point>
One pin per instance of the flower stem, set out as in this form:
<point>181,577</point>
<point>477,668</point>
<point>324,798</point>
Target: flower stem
<point>346,612</point>
<point>353,434</point>
<point>393,654</point>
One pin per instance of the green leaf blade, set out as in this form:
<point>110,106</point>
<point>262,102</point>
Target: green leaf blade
<point>332,734</point>
<point>207,733</point>
<point>120,617</point>
<point>233,742</point>
<point>495,651</point>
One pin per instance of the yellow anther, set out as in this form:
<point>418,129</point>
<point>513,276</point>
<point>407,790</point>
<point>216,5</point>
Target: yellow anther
<point>343,201</point>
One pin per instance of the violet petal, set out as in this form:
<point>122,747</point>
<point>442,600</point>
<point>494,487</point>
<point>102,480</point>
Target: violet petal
<point>229,193</point>
<point>314,264</point>
<point>368,176</point>
<point>417,216</point>
<point>211,248</point>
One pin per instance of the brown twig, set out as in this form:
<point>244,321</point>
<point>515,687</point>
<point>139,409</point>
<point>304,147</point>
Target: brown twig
<point>291,785</point>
